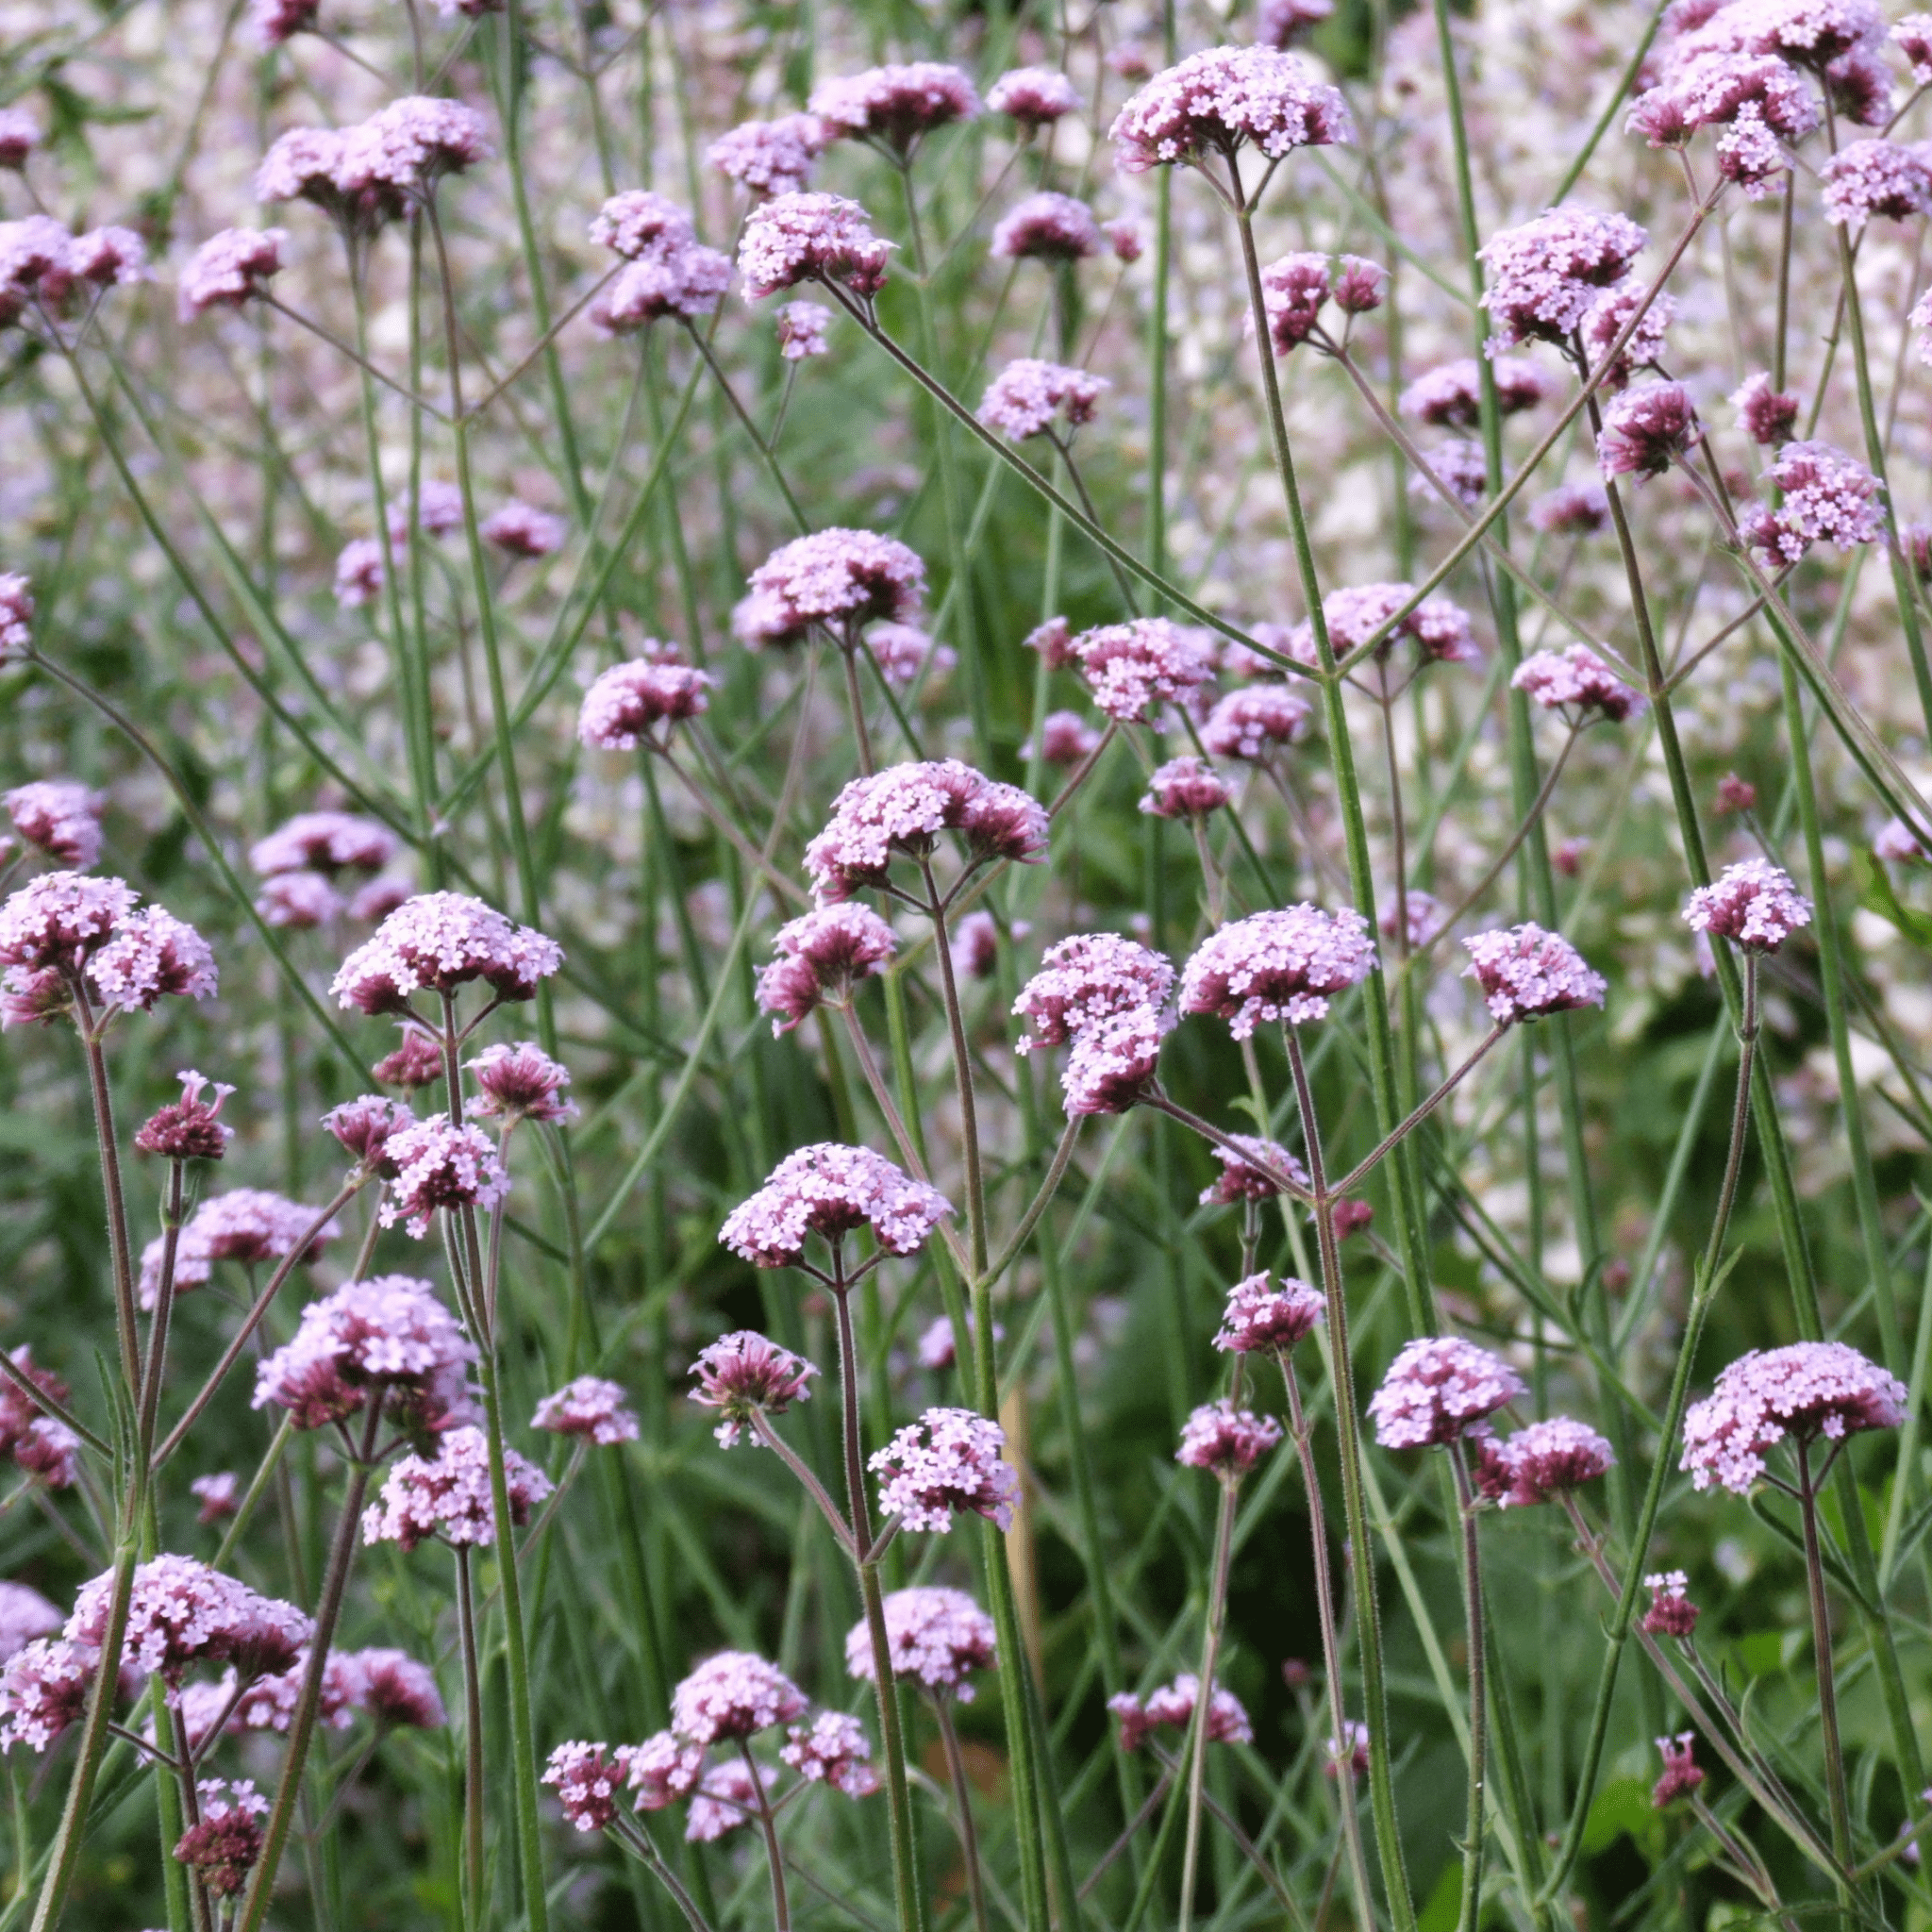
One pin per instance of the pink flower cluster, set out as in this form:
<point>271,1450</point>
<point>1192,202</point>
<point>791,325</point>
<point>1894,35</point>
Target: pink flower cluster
<point>16,616</point>
<point>1282,965</point>
<point>229,269</point>
<point>1436,1388</point>
<point>1134,667</point>
<point>838,579</point>
<point>1225,98</point>
<point>1450,395</point>
<point>822,957</point>
<point>1184,788</point>
<point>44,264</point>
<point>1033,96</point>
<point>1439,630</point>
<point>1252,1169</point>
<point>1027,396</point>
<point>1752,903</point>
<point>1545,276</point>
<point>745,1373</point>
<point>246,1225</point>
<point>1826,496</point>
<point>590,1407</point>
<point>1671,1613</point>
<point>227,1840</point>
<point>1263,1319</point>
<point>1525,972</point>
<point>37,1443</point>
<point>303,861</point>
<point>667,272</point>
<point>769,158</point>
<point>519,1083</point>
<point>520,529</point>
<point>1681,1773</point>
<point>832,1749</point>
<point>373,171</point>
<point>448,1495</point>
<point>63,926</point>
<point>895,105</point>
<point>1172,1708</point>
<point>1107,997</point>
<point>1047,228</point>
<point>438,1164</point>
<point>392,1334</point>
<point>183,1613</point>
<point>948,1460</point>
<point>810,238</point>
<point>1295,288</point>
<point>1866,179</point>
<point>732,1696</point>
<point>937,1637</point>
<point>832,1191</point>
<point>1767,415</point>
<point>1541,1461</point>
<point>437,942</point>
<point>1805,1391</point>
<point>59,818</point>
<point>1578,681</point>
<point>1647,428</point>
<point>624,704</point>
<point>1225,1440</point>
<point>1249,724</point>
<point>901,811</point>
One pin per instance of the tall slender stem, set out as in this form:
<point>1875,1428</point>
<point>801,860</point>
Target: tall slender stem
<point>774,1857</point>
<point>1473,1827</point>
<point>1203,1697</point>
<point>1827,1673</point>
<point>962,1805</point>
<point>472,1742</point>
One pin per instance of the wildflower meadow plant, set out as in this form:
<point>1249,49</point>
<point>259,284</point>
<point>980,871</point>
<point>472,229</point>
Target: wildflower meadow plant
<point>965,966</point>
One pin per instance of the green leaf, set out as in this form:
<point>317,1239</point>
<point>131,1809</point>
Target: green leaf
<point>1623,1808</point>
<point>1876,895</point>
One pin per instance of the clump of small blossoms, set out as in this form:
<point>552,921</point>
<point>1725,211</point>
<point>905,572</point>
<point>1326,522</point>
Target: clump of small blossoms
<point>1172,1708</point>
<point>36,1442</point>
<point>183,1613</point>
<point>361,1128</point>
<point>225,1842</point>
<point>832,1191</point>
<point>390,1335</point>
<point>1225,1440</point>
<point>448,1495</point>
<point>1806,1391</point>
<point>667,272</point>
<point>16,616</point>
<point>24,1614</point>
<point>769,158</point>
<point>1525,972</point>
<point>811,237</point>
<point>936,1637</point>
<point>1826,496</point>
<point>586,1782</point>
<point>801,328</point>
<point>63,926</point>
<point>744,1374</point>
<point>1436,1388</point>
<point>1047,228</point>
<point>1681,1773</point>
<point>1752,903</point>
<point>832,1749</point>
<point>1282,965</point>
<point>1767,415</point>
<point>1450,395</point>
<point>726,1800</point>
<point>1108,998</point>
<point>1263,1319</point>
<point>230,268</point>
<point>359,573</point>
<point>901,811</point>
<point>626,706</point>
<point>373,171</point>
<point>1028,396</point>
<point>1440,628</point>
<point>1134,667</point>
<point>520,529</point>
<point>1867,180</point>
<point>438,1164</point>
<point>837,579</point>
<point>19,134</point>
<point>1671,1613</point>
<point>732,1696</point>
<point>43,1689</point>
<point>519,1083</point>
<point>1033,96</point>
<point>1647,428</point>
<point>324,842</point>
<point>1627,313</point>
<point>894,105</point>
<point>44,264</point>
<point>1216,102</point>
<point>1252,1169</point>
<point>822,957</point>
<point>1066,741</point>
<point>1577,682</point>
<point>1184,788</point>
<point>1295,288</point>
<point>59,818</point>
<point>246,1225</point>
<point>218,1494</point>
<point>948,1460</point>
<point>1250,724</point>
<point>1571,509</point>
<point>1541,1461</point>
<point>1546,275</point>
<point>590,1407</point>
<point>437,942</point>
<point>1897,843</point>
<point>1912,36</point>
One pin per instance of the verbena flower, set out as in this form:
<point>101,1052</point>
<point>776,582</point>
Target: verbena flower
<point>1525,972</point>
<point>519,529</point>
<point>1867,180</point>
<point>183,1613</point>
<point>24,1614</point>
<point>801,328</point>
<point>43,1689</point>
<point>832,1191</point>
<point>324,841</point>
<point>832,1749</point>
<point>1172,1708</point>
<point>769,158</point>
<point>1571,509</point>
<point>189,1128</point>
<point>837,579</point>
<point>1545,276</point>
<point>1681,1773</point>
<point>1278,965</point>
<point>1450,395</point>
<point>246,1225</point>
<point>1133,668</point>
<point>726,1800</point>
<point>732,1696</point>
<point>822,956</point>
<point>1251,723</point>
<point>1107,997</point>
<point>448,1495</point>
<point>1440,628</point>
<point>895,105</point>
<point>19,134</point>
<point>519,1083</point>
<point>937,1639</point>
<point>230,268</point>
<point>399,1691</point>
<point>590,1407</point>
<point>1217,102</point>
<point>1806,1391</point>
<point>1263,1319</point>
<point>224,1844</point>
<point>948,1460</point>
<point>1752,903</point>
<point>219,1497</point>
<point>1027,397</point>
<point>901,811</point>
<point>438,1164</point>
<point>1225,1440</point>
<point>744,1374</point>
<point>59,818</point>
<point>1047,228</point>
<point>810,238</point>
<point>1034,96</point>
<point>1647,428</point>
<point>1185,787</point>
<point>1671,1613</point>
<point>1541,1461</point>
<point>439,942</point>
<point>1066,740</point>
<point>363,1127</point>
<point>587,1781</point>
<point>1251,1170</point>
<point>1577,682</point>
<point>16,613</point>
<point>1826,496</point>
<point>1611,315</point>
<point>1767,415</point>
<point>1436,1388</point>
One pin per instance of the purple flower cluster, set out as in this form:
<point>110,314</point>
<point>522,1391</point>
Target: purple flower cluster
<point>60,818</point>
<point>1047,228</point>
<point>948,1460</point>
<point>1436,1388</point>
<point>1107,997</point>
<point>437,942</point>
<point>1545,276</point>
<point>1295,288</point>
<point>1172,1708</point>
<point>900,812</point>
<point>810,238</point>
<point>374,171</point>
<point>895,105</point>
<point>1033,96</point>
<point>447,1495</point>
<point>1647,428</point>
<point>822,957</point>
<point>1249,724</point>
<point>1867,180</point>
<point>183,1613</point>
<point>1252,1169</point>
<point>624,704</point>
<point>44,264</point>
<point>1283,964</point>
<point>837,579</point>
<point>1028,396</point>
<point>1226,98</point>
<point>1450,395</point>
<point>832,1749</point>
<point>1225,1440</point>
<point>1439,630</point>
<point>1826,497</point>
<point>769,158</point>
<point>1134,667</point>
<point>832,1191</point>
<point>1541,1461</point>
<point>667,271</point>
<point>438,1164</point>
<point>246,1225</point>
<point>1808,1390</point>
<point>1263,1319</point>
<point>1752,903</point>
<point>1577,682</point>
<point>937,1637</point>
<point>1185,787</point>
<point>230,268</point>
<point>745,1373</point>
<point>63,931</point>
<point>1525,972</point>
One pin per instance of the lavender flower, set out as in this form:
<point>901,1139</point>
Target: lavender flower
<point>1252,1169</point>
<point>1541,1461</point>
<point>1752,903</point>
<point>833,1750</point>
<point>801,328</point>
<point>1278,23</point>
<point>1767,415</point>
<point>625,704</point>
<point>43,1689</point>
<point>948,1460</point>
<point>520,1083</point>
<point>902,810</point>
<point>1441,629</point>
<point>822,959</point>
<point>183,1613</point>
<point>448,1495</point>
<point>1066,741</point>
<point>324,841</point>
<point>1525,972</point>
<point>682,282</point>
<point>230,270</point>
<point>1184,788</point>
<point>1028,396</point>
<point>810,238</point>
<point>1225,1440</point>
<point>1280,965</point>
<point>1571,509</point>
<point>188,1128</point>
<point>1869,178</point>
<point>224,1845</point>
<point>590,1407</point>
<point>1805,1391</point>
<point>586,1782</point>
<point>937,1639</point>
<point>1827,496</point>
<point>839,579</point>
<point>1671,1613</point>
<point>1250,724</point>
<point>1610,314</point>
<point>726,1800</point>
<point>1034,96</point>
<point>440,1164</point>
<point>769,158</point>
<point>1576,681</point>
<point>1108,998</point>
<point>437,942</point>
<point>1223,100</point>
<point>1544,277</point>
<point>896,105</point>
<point>1136,666</point>
<point>1047,228</point>
<point>1436,1388</point>
<point>832,1191</point>
<point>1647,428</point>
<point>219,1497</point>
<point>363,1127</point>
<point>397,1689</point>
<point>1450,395</point>
<point>732,1696</point>
<point>1261,1319</point>
<point>246,1225</point>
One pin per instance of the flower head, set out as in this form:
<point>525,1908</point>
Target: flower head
<point>183,1613</point>
<point>1184,788</point>
<point>895,105</point>
<point>948,1460</point>
<point>1544,277</point>
<point>19,134</point>
<point>188,1128</point>
<point>1086,979</point>
<point>1681,1773</point>
<point>1612,314</point>
<point>839,579</point>
<point>225,1842</point>
<point>1226,98</point>
<point>624,704</point>
<point>1805,1391</point>
<point>832,1191</point>
<point>1436,1388</point>
<point>1571,509</point>
<point>903,809</point>
<point>1250,724</point>
<point>219,1495</point>
<point>59,818</point>
<point>438,941</point>
<point>732,1696</point>
<point>1252,1169</point>
<point>1577,682</point>
<point>16,612</point>
<point>1450,395</point>
<point>726,1800</point>
<point>685,281</point>
<point>397,1689</point>
<point>230,270</point>
<point>937,1639</point>
<point>1134,667</point>
<point>520,1083</point>
<point>744,1374</point>
<point>1752,903</point>
<point>832,1749</point>
<point>1544,1460</point>
<point>822,957</point>
<point>1027,397</point>
<point>801,328</point>
<point>1525,972</point>
<point>519,529</point>
<point>363,1127</point>
<point>1767,415</point>
<point>1172,1708</point>
<point>1647,428</point>
<point>1047,228</point>
<point>324,841</point>
<point>1826,496</point>
<point>440,1164</point>
<point>60,920</point>
<point>448,1495</point>
<point>1066,741</point>
<point>1225,1440</point>
<point>43,1689</point>
<point>587,1781</point>
<point>1263,1319</point>
<point>1036,96</point>
<point>1441,629</point>
<point>1869,178</point>
<point>810,238</point>
<point>1671,1613</point>
<point>1281,964</point>
<point>769,158</point>
<point>246,1225</point>
<point>590,1407</point>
